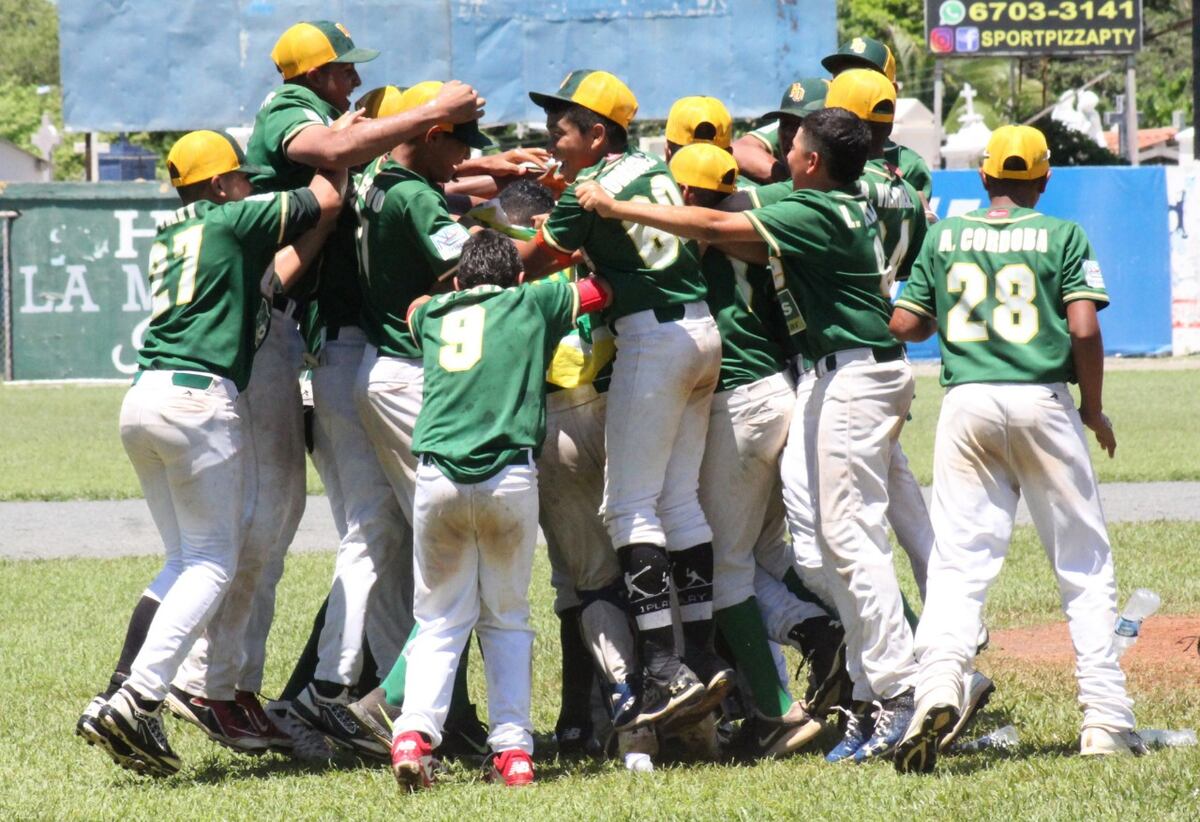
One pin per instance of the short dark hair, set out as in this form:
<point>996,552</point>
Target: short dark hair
<point>584,118</point>
<point>488,258</point>
<point>842,140</point>
<point>524,198</point>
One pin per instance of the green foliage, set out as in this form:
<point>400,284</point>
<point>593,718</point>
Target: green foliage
<point>1069,147</point>
<point>29,32</point>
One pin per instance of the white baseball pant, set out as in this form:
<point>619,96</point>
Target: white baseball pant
<point>473,560</point>
<point>995,441</point>
<point>232,653</point>
<point>368,519</point>
<point>658,401</point>
<point>187,448</point>
<point>389,394</point>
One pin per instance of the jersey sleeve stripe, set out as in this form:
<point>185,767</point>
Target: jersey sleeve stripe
<point>550,241</point>
<point>291,135</point>
<point>764,233</point>
<point>914,308</point>
<point>574,301</point>
<point>755,201</point>
<point>765,142</point>
<point>1085,295</point>
<point>283,217</point>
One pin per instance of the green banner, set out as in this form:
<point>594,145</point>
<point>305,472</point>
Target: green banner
<point>76,283</point>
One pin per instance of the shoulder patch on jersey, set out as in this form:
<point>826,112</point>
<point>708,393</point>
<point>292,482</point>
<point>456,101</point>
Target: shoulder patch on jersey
<point>449,241</point>
<point>1092,275</point>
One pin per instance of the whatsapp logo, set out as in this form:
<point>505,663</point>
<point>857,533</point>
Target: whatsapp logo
<point>952,12</point>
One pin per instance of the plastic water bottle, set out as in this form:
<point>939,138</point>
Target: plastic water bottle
<point>1001,738</point>
<point>1168,739</point>
<point>639,763</point>
<point>1141,603</point>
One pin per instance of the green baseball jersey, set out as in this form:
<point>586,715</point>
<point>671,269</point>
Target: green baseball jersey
<point>647,268</point>
<point>407,242</point>
<point>205,267</point>
<point>998,280</point>
<point>768,135</point>
<point>485,353</point>
<point>741,298</point>
<point>901,215</point>
<point>912,167</point>
<point>286,111</point>
<point>828,268</point>
<point>770,193</point>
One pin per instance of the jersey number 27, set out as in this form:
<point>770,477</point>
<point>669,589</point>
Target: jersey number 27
<point>185,253</point>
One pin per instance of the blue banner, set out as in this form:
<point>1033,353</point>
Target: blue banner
<point>1124,212</point>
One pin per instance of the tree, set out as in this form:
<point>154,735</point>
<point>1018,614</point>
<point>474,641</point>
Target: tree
<point>29,32</point>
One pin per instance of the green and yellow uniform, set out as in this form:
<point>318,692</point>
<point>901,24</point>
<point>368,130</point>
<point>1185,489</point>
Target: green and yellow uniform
<point>742,301</point>
<point>286,111</point>
<point>998,281</point>
<point>205,267</point>
<point>912,167</point>
<point>902,224</point>
<point>485,354</point>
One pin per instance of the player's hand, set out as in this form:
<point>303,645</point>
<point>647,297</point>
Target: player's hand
<point>348,119</point>
<point>552,179</point>
<point>457,102</point>
<point>516,162</point>
<point>594,198</point>
<point>1102,426</point>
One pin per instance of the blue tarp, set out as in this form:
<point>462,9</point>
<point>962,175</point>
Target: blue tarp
<point>1123,211</point>
<point>135,65</point>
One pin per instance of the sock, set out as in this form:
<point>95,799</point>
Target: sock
<point>909,614</point>
<point>368,677</point>
<point>135,637</point>
<point>801,591</point>
<point>393,684</point>
<point>742,628</point>
<point>577,673</point>
<point>646,570</point>
<point>306,665</point>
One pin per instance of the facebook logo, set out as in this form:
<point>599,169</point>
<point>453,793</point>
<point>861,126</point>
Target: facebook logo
<point>966,38</point>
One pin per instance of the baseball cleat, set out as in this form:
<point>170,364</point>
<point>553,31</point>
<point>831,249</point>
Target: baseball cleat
<point>891,720</point>
<point>717,678</point>
<point>142,732</point>
<point>298,740</point>
<point>859,724</point>
<point>514,767</point>
<point>463,735</point>
<point>375,714</point>
<point>933,718</point>
<point>331,716</point>
<point>573,740</point>
<point>624,705</point>
<point>778,736</point>
<point>821,641</point>
<point>696,741</point>
<point>92,731</point>
<point>1095,741</point>
<point>412,761</point>
<point>263,726</point>
<point>977,691</point>
<point>661,698</point>
<point>222,720</point>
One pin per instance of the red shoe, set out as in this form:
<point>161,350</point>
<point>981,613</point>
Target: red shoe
<point>277,739</point>
<point>222,720</point>
<point>514,766</point>
<point>412,758</point>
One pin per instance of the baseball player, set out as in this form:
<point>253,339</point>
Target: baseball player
<point>1013,295</point>
<point>485,349</point>
<point>829,271</point>
<point>180,421</point>
<point>293,135</point>
<point>668,360</point>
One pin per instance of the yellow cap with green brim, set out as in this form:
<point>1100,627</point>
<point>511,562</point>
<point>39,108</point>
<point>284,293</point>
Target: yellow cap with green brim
<point>201,155</point>
<point>699,120</point>
<point>310,45</point>
<point>862,52</point>
<point>865,93</point>
<point>1016,153</point>
<point>596,91</point>
<point>422,93</point>
<point>705,165</point>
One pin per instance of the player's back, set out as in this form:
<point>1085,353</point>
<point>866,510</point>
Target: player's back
<point>285,112</point>
<point>901,225</point>
<point>998,281</point>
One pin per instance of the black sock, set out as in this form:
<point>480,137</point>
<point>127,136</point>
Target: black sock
<point>368,678</point>
<point>692,571</point>
<point>135,638</point>
<point>577,672</point>
<point>306,665</point>
<point>647,578</point>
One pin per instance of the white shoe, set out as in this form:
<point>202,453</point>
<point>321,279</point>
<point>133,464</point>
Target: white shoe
<point>1095,741</point>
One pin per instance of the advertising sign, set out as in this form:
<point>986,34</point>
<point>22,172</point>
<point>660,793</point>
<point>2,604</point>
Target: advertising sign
<point>987,28</point>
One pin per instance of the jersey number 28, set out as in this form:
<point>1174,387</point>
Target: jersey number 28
<point>1015,317</point>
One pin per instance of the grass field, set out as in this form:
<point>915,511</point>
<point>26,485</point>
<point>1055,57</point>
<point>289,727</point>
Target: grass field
<point>62,443</point>
<point>61,623</point>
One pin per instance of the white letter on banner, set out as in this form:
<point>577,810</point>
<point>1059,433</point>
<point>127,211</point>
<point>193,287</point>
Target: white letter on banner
<point>137,338</point>
<point>137,289</point>
<point>29,271</point>
<point>76,287</point>
<point>126,233</point>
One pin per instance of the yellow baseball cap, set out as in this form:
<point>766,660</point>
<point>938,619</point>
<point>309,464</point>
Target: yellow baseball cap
<point>707,115</point>
<point>865,93</point>
<point>310,45</point>
<point>1016,153</point>
<point>201,155</point>
<point>381,102</point>
<point>862,52</point>
<point>422,93</point>
<point>705,165</point>
<point>596,91</point>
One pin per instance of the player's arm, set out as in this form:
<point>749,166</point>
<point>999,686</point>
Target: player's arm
<point>756,160</point>
<point>595,294</point>
<point>690,222</point>
<point>323,147</point>
<point>293,260</point>
<point>908,326</point>
<point>1087,354</point>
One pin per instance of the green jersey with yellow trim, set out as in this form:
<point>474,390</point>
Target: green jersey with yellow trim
<point>912,167</point>
<point>998,280</point>
<point>770,193</point>
<point>286,111</point>
<point>828,268</point>
<point>901,215</point>
<point>768,135</point>
<point>742,301</point>
<point>647,268</point>
<point>407,242</point>
<point>485,352</point>
<point>205,265</point>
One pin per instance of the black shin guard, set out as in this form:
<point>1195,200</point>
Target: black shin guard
<point>692,571</point>
<point>647,578</point>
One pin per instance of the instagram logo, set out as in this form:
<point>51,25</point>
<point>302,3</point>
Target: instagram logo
<point>941,40</point>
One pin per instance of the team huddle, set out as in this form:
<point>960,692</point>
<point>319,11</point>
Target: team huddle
<point>690,374</point>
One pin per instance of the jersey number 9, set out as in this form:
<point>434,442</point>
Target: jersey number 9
<point>462,333</point>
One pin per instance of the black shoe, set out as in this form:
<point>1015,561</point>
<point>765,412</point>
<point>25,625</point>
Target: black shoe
<point>765,737</point>
<point>716,676</point>
<point>978,691</point>
<point>932,719</point>
<point>331,716</point>
<point>891,721</point>
<point>464,736</point>
<point>375,714</point>
<point>821,641</point>
<point>89,728</point>
<point>143,732</point>
<point>664,697</point>
<point>858,724</point>
<point>574,739</point>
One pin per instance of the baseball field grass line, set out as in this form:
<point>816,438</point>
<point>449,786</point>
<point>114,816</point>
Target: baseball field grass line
<point>61,442</point>
<point>61,624</point>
